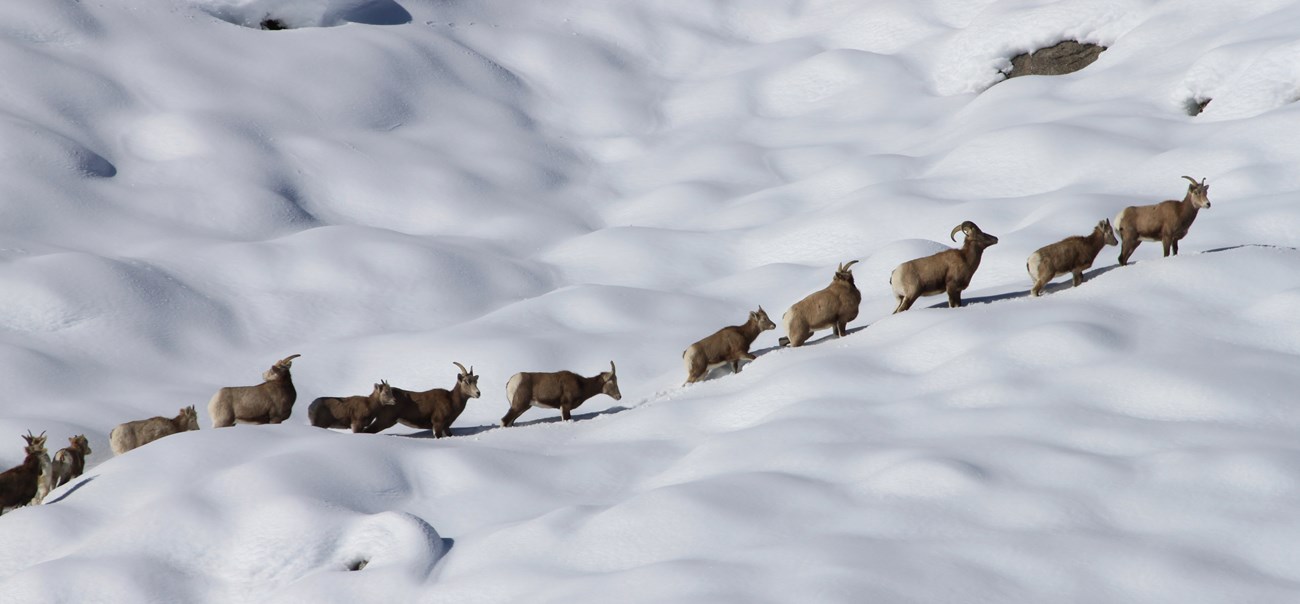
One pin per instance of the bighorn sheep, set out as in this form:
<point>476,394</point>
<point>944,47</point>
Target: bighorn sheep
<point>563,390</point>
<point>18,485</point>
<point>947,271</point>
<point>727,345</point>
<point>268,402</point>
<point>434,409</point>
<point>351,411</point>
<point>833,306</point>
<point>1069,255</point>
<point>144,431</point>
<point>1166,222</point>
<point>70,461</point>
<point>44,481</point>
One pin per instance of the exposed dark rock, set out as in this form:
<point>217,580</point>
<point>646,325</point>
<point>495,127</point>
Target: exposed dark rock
<point>273,24</point>
<point>1195,106</point>
<point>1065,57</point>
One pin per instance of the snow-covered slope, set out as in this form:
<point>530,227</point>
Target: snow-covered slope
<point>393,185</point>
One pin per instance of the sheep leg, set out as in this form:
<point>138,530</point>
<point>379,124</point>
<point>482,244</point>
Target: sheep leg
<point>1078,278</point>
<point>1175,245</point>
<point>1126,250</point>
<point>744,356</point>
<point>1165,244</point>
<point>512,415</point>
<point>381,423</point>
<point>954,297</point>
<point>904,303</point>
<point>564,413</point>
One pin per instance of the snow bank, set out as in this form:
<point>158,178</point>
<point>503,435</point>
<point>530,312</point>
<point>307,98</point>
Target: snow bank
<point>391,186</point>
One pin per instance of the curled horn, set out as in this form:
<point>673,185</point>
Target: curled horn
<point>953,234</point>
<point>1194,183</point>
<point>287,361</point>
<point>463,371</point>
<point>846,267</point>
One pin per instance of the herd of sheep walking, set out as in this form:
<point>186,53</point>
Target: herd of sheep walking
<point>949,271</point>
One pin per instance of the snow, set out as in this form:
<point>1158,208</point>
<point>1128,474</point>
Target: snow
<point>393,185</point>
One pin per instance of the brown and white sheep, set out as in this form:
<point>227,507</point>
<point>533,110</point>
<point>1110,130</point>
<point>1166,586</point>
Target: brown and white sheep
<point>1166,222</point>
<point>18,485</point>
<point>833,306</point>
<point>563,390</point>
<point>434,409</point>
<point>947,271</point>
<point>70,461</point>
<point>141,432</point>
<point>1070,255</point>
<point>727,345</point>
<point>269,402</point>
<point>353,412</point>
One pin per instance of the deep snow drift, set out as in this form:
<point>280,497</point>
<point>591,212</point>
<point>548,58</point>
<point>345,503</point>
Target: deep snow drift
<point>392,185</point>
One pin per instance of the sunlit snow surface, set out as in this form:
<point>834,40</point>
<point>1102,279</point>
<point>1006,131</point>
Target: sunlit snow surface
<point>393,185</point>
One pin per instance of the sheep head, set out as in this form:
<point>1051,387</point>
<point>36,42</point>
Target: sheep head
<point>280,368</point>
<point>35,444</point>
<point>1199,193</point>
<point>1107,232</point>
<point>384,393</point>
<point>609,382</point>
<point>844,273</point>
<point>467,381</point>
<point>190,418</point>
<point>974,235</point>
<point>760,318</point>
<point>80,443</point>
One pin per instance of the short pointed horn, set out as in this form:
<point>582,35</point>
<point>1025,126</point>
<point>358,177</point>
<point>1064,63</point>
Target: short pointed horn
<point>612,369</point>
<point>463,371</point>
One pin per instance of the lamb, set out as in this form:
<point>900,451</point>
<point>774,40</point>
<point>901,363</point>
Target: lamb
<point>141,432</point>
<point>834,306</point>
<point>1166,222</point>
<point>947,271</point>
<point>727,345</point>
<point>18,485</point>
<point>268,402</point>
<point>45,480</point>
<point>70,461</point>
<point>434,409</point>
<point>563,390</point>
<point>355,412</point>
<point>1070,255</point>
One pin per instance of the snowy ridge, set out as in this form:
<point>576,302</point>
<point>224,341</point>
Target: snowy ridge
<point>391,186</point>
